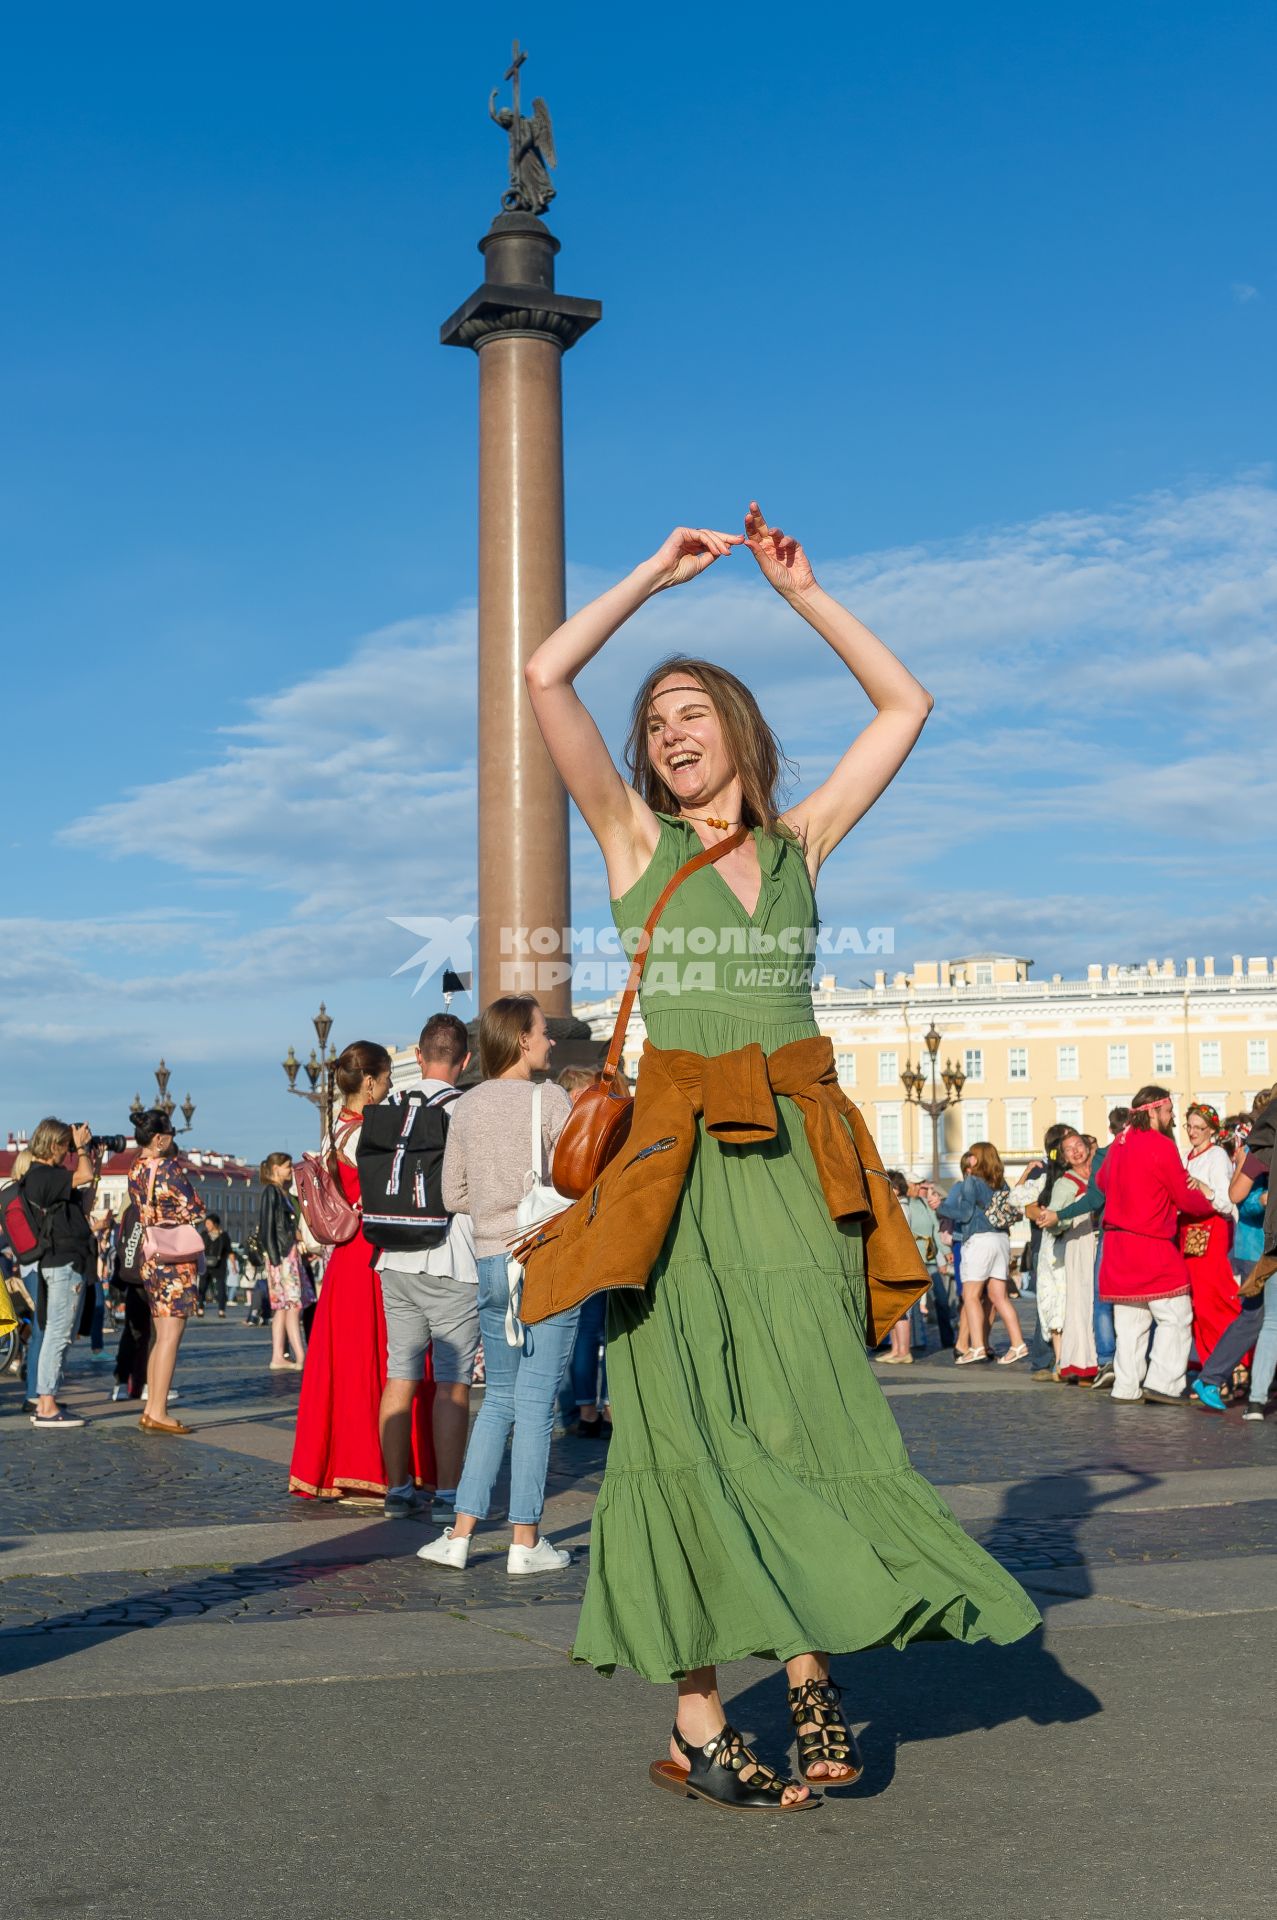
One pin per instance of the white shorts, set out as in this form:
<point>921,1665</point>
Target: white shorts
<point>986,1256</point>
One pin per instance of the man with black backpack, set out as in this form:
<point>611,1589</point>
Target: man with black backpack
<point>429,1277</point>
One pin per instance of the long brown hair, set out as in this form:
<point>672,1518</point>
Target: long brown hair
<point>986,1162</point>
<point>358,1061</point>
<point>758,759</point>
<point>502,1025</point>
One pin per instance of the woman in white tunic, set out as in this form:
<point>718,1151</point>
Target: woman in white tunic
<point>1073,1260</point>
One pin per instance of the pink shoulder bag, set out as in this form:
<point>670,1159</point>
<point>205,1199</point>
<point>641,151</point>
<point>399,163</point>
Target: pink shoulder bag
<point>169,1246</point>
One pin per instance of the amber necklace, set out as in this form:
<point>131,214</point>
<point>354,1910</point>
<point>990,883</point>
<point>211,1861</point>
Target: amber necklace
<point>708,820</point>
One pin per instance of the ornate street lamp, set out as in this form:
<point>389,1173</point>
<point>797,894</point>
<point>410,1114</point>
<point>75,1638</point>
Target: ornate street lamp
<point>914,1084</point>
<point>318,1069</point>
<point>164,1101</point>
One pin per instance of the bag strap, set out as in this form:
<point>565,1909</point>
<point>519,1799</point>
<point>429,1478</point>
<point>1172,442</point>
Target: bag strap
<point>150,1188</point>
<point>538,1148</point>
<point>704,858</point>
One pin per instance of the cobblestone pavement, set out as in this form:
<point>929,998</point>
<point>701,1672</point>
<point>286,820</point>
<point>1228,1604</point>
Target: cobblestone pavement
<point>110,1476</point>
<point>297,1590</point>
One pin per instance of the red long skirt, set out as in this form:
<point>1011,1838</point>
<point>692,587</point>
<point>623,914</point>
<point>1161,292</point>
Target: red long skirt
<point>1213,1284</point>
<point>337,1449</point>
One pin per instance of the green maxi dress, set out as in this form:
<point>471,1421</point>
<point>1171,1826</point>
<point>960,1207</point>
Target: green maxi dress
<point>758,1498</point>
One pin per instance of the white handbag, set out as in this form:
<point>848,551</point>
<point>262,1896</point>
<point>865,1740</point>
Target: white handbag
<point>541,1201</point>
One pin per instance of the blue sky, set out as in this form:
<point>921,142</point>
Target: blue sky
<point>977,300</point>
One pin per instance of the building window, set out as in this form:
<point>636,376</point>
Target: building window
<point>889,1133</point>
<point>984,973</point>
<point>1019,1126</point>
<point>975,1122</point>
<point>973,1063</point>
<point>1164,1056</point>
<point>1017,1063</point>
<point>1069,1113</point>
<point>1257,1056</point>
<point>1119,1061</point>
<point>888,1069</point>
<point>846,1065</point>
<point>1066,1063</point>
<point>1208,1057</point>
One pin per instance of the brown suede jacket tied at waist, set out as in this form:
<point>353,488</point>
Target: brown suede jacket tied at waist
<point>613,1235</point>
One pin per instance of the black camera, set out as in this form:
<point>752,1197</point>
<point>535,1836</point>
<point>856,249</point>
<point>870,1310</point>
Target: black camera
<point>112,1142</point>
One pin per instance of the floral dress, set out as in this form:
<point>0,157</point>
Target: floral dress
<point>173,1202</point>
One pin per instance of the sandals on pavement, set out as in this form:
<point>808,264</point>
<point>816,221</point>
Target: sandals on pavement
<point>815,1704</point>
<point>713,1772</point>
<point>969,1358</point>
<point>1013,1354</point>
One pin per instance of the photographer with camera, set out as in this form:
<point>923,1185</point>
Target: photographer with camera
<point>53,1194</point>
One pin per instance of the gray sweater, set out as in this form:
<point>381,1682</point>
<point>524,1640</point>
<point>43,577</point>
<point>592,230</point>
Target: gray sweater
<point>489,1154</point>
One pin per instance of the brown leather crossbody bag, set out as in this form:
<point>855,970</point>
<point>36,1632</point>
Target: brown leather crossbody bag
<point>599,1124</point>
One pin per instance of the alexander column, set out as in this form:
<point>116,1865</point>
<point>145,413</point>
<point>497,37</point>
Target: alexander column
<point>520,328</point>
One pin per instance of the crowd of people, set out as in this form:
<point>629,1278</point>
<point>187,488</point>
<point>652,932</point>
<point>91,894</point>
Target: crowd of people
<point>405,1335</point>
<point>1144,1261</point>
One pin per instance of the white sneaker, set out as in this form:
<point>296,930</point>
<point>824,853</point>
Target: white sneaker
<point>447,1551</point>
<point>173,1395</point>
<point>543,1558</point>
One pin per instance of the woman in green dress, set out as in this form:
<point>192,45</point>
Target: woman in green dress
<point>758,1499</point>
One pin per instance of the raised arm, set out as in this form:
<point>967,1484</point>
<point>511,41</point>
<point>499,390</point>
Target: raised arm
<point>618,817</point>
<point>878,752</point>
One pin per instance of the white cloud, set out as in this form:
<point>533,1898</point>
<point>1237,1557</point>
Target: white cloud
<point>1099,675</point>
<point>1244,293</point>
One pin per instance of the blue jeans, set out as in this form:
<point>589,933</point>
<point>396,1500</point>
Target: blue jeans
<point>589,1360</point>
<point>1105,1332</point>
<point>946,1306</point>
<point>35,1339</point>
<point>64,1288</point>
<point>522,1383</point>
<point>1264,1361</point>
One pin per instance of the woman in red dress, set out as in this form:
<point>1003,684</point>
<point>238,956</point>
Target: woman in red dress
<point>1212,1282</point>
<point>337,1450</point>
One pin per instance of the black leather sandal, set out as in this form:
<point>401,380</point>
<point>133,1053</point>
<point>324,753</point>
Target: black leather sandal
<point>713,1773</point>
<point>816,1704</point>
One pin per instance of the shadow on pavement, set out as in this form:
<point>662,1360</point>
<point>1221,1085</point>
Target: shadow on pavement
<point>930,1692</point>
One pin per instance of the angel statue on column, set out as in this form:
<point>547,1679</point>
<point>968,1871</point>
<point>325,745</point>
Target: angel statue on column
<point>531,155</point>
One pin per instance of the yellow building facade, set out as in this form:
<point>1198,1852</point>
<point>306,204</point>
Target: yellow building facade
<point>1035,1051</point>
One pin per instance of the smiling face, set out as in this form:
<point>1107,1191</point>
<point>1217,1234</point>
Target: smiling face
<point>1074,1150</point>
<point>1198,1130</point>
<point>685,742</point>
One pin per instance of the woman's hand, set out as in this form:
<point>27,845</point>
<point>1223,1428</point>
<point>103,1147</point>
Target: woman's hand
<point>687,552</point>
<point>781,561</point>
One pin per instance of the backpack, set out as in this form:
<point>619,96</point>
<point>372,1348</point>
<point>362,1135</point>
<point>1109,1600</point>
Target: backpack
<point>1002,1212</point>
<point>400,1162</point>
<point>18,1225</point>
<point>129,1254</point>
<point>329,1215</point>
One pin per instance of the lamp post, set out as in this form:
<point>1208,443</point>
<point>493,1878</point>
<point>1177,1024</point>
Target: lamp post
<point>164,1101</point>
<point>318,1070</point>
<point>914,1084</point>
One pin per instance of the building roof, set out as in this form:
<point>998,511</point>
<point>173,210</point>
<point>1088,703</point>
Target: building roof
<point>966,959</point>
<point>204,1166</point>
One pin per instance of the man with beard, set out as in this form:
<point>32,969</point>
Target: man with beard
<point>1142,1272</point>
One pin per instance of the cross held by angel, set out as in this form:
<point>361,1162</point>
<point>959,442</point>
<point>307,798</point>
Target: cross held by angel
<point>531,147</point>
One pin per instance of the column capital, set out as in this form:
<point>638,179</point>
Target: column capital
<point>520,312</point>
